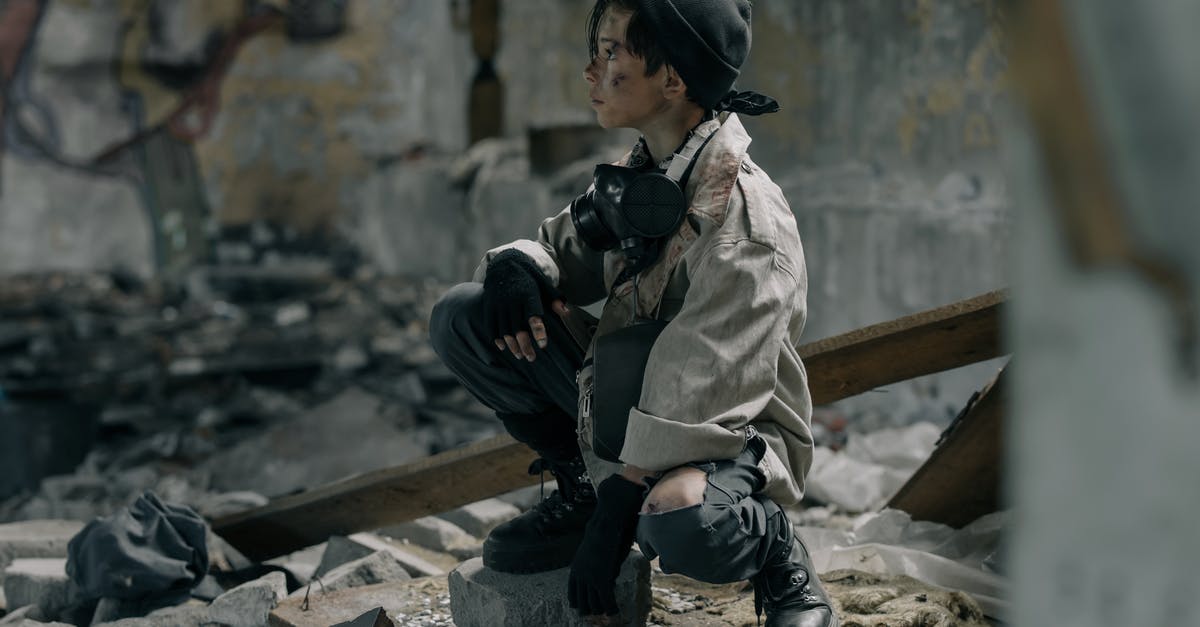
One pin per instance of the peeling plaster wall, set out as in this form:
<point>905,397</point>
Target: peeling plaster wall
<point>297,128</point>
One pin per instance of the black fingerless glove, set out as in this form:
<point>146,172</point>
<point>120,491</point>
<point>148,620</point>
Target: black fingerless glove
<point>606,542</point>
<point>513,289</point>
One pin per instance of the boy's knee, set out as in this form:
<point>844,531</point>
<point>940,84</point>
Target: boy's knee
<point>452,311</point>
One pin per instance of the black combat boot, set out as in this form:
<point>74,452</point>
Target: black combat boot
<point>788,587</point>
<point>545,537</point>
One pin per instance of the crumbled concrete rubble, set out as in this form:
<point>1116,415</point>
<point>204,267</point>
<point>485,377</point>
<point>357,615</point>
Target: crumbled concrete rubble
<point>237,384</point>
<point>216,391</point>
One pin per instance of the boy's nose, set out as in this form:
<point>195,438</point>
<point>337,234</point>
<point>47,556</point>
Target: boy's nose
<point>589,72</point>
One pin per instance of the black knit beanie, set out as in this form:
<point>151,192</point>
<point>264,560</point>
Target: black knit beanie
<point>707,41</point>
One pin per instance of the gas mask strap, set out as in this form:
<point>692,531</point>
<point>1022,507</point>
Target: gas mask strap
<point>683,161</point>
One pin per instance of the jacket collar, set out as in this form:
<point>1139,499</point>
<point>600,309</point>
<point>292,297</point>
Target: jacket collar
<point>717,170</point>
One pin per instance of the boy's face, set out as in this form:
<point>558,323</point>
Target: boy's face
<point>621,93</point>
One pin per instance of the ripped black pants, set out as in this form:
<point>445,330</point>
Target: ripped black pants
<point>730,535</point>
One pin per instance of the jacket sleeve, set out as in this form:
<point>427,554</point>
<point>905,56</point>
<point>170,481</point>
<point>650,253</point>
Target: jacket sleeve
<point>713,368</point>
<point>576,269</point>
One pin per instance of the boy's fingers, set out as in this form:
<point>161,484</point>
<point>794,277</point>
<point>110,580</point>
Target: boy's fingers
<point>560,308</point>
<point>513,347</point>
<point>526,345</point>
<point>499,343</point>
<point>539,331</point>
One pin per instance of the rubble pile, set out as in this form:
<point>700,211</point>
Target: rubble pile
<point>235,384</point>
<point>228,386</point>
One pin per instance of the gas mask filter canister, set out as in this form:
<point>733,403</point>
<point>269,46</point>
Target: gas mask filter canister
<point>634,210</point>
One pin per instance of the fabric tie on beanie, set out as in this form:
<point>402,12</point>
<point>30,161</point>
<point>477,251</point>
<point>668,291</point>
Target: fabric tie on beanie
<point>747,102</point>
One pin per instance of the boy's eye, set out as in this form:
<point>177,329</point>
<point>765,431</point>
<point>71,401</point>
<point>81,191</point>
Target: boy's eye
<point>610,54</point>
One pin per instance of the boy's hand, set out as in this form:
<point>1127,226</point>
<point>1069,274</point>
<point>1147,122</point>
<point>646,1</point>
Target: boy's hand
<point>606,542</point>
<point>513,291</point>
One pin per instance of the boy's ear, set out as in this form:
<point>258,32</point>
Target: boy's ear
<point>673,85</point>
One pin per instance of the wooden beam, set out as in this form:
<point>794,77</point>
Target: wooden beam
<point>931,341</point>
<point>961,479</point>
<point>380,498</point>
<point>838,367</point>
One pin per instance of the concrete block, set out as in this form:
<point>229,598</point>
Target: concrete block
<point>405,602</point>
<point>35,538</point>
<point>378,567</point>
<point>481,597</point>
<point>302,563</point>
<point>41,582</point>
<point>340,550</point>
<point>437,534</point>
<point>478,519</point>
<point>190,614</point>
<point>414,564</point>
<point>249,604</point>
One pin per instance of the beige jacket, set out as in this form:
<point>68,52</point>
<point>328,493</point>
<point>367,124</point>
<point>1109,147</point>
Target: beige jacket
<point>732,283</point>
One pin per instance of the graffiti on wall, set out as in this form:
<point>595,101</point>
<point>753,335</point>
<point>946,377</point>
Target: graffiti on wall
<point>167,63</point>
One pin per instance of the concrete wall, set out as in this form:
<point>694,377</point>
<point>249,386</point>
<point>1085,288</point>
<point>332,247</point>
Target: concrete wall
<point>296,128</point>
<point>886,146</point>
<point>1105,418</point>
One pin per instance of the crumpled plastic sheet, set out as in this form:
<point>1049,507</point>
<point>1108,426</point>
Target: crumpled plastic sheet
<point>871,468</point>
<point>891,543</point>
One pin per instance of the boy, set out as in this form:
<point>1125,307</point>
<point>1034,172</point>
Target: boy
<point>720,435</point>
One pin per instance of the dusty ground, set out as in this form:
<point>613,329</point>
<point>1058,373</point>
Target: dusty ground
<point>861,599</point>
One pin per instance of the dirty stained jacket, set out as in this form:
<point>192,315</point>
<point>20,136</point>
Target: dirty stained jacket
<point>732,284</point>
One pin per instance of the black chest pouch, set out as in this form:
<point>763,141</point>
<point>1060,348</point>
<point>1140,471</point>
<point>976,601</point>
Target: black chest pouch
<point>634,210</point>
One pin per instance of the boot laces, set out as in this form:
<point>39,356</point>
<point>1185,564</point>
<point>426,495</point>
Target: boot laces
<point>562,501</point>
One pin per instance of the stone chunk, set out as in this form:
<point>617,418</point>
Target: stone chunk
<point>378,567</point>
<point>340,550</point>
<point>249,604</point>
<point>478,519</point>
<point>403,601</point>
<point>41,582</point>
<point>190,614</point>
<point>437,534</point>
<point>481,597</point>
<point>35,538</point>
<point>302,563</point>
<point>372,618</point>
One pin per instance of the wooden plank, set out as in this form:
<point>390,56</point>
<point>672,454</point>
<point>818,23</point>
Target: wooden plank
<point>838,367</point>
<point>932,341</point>
<point>961,479</point>
<point>379,498</point>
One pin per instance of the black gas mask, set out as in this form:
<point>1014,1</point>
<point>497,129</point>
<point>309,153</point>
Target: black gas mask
<point>636,210</point>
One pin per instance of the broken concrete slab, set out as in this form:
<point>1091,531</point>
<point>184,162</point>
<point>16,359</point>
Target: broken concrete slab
<point>378,567</point>
<point>479,518</point>
<point>190,614</point>
<point>341,549</point>
<point>482,597</point>
<point>403,601</point>
<point>437,534</point>
<point>249,604</point>
<point>35,538</point>
<point>41,582</point>
<point>303,563</point>
<point>28,617</point>
<point>300,451</point>
<point>416,565</point>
